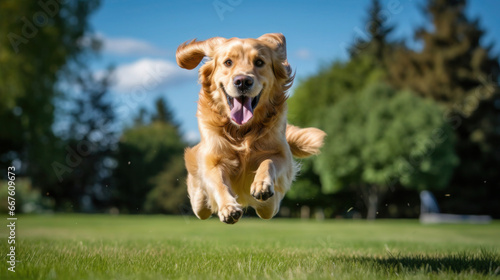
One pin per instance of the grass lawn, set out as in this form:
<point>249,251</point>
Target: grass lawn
<point>163,247</point>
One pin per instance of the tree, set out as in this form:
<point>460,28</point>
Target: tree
<point>148,154</point>
<point>366,65</point>
<point>379,139</point>
<point>39,39</point>
<point>163,113</point>
<point>377,44</point>
<point>169,192</point>
<point>452,68</point>
<point>87,134</point>
<point>313,96</point>
<point>455,70</point>
<point>308,106</point>
<point>329,86</point>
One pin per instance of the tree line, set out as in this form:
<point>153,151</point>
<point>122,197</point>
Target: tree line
<point>59,122</point>
<point>399,120</point>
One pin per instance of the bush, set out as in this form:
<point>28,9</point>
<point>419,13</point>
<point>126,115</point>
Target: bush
<point>27,198</point>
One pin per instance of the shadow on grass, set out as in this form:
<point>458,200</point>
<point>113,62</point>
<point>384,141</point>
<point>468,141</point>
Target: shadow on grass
<point>482,262</point>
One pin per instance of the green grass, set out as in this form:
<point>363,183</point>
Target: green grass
<point>162,247</point>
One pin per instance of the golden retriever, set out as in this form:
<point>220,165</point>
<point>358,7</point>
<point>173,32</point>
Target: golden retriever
<point>244,157</point>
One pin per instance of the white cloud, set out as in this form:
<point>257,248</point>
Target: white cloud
<point>303,53</point>
<point>129,46</point>
<point>148,74</point>
<point>192,137</point>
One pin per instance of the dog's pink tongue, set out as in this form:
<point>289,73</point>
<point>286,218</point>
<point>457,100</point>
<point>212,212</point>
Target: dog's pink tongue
<point>242,112</point>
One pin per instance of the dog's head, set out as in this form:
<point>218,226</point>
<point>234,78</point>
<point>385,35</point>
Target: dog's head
<point>245,79</point>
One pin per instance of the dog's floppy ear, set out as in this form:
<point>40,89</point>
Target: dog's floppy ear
<point>278,41</point>
<point>190,53</point>
<point>281,68</point>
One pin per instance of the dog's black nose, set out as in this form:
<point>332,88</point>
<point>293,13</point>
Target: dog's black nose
<point>243,83</point>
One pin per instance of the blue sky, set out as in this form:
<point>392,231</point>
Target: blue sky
<point>140,39</point>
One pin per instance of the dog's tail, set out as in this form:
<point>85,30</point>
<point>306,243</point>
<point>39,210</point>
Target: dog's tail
<point>304,142</point>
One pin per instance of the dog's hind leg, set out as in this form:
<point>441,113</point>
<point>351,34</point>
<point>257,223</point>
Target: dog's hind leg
<point>198,198</point>
<point>269,208</point>
<point>272,179</point>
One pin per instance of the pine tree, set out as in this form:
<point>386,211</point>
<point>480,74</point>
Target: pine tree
<point>377,28</point>
<point>39,39</point>
<point>163,112</point>
<point>455,70</point>
<point>89,139</point>
<point>150,173</point>
<point>342,79</point>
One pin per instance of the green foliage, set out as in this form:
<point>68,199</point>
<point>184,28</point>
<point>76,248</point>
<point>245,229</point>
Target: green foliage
<point>163,113</point>
<point>150,176</point>
<point>36,44</point>
<point>452,69</point>
<point>455,69</point>
<point>308,107</point>
<point>169,194</point>
<point>313,95</point>
<point>383,137</point>
<point>27,198</point>
<point>306,190</point>
<point>87,138</point>
<point>143,153</point>
<point>377,45</point>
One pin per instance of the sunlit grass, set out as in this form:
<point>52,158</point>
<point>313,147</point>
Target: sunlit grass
<point>163,247</point>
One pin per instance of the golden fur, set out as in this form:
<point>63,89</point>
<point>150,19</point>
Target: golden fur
<point>239,164</point>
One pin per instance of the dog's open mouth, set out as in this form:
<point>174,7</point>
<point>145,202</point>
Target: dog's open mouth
<point>242,107</point>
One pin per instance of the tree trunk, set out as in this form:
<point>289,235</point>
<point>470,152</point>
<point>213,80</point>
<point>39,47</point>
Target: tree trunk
<point>371,197</point>
<point>372,204</point>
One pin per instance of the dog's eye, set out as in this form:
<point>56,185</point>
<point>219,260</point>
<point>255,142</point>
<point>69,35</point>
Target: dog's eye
<point>259,63</point>
<point>228,63</point>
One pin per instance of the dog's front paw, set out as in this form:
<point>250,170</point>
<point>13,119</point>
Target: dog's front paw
<point>262,190</point>
<point>230,214</point>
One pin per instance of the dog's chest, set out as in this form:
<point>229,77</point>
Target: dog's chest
<point>248,156</point>
<point>245,160</point>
